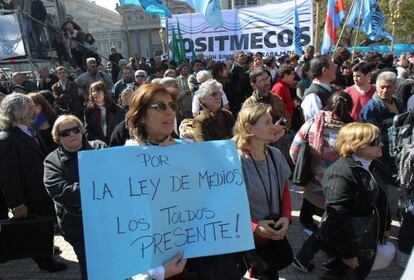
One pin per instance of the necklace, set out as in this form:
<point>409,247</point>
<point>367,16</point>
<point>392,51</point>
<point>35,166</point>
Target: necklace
<point>268,196</point>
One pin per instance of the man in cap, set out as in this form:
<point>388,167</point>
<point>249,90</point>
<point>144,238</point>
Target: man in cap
<point>92,75</point>
<point>140,78</point>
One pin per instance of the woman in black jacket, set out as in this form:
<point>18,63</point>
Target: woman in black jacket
<point>101,114</point>
<point>61,179</point>
<point>356,204</point>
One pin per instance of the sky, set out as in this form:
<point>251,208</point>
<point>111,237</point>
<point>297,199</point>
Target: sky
<point>109,4</point>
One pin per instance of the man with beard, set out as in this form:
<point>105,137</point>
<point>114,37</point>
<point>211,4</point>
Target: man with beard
<point>22,152</point>
<point>122,83</point>
<point>260,82</point>
<point>92,75</point>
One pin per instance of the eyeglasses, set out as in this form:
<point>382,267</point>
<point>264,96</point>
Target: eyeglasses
<point>377,141</point>
<point>162,107</point>
<point>67,132</point>
<point>215,94</point>
<point>140,76</point>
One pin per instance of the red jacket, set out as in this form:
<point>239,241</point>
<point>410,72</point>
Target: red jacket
<point>281,89</point>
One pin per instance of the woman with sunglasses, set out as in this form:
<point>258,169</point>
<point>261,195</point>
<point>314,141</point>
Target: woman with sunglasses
<point>266,174</point>
<point>101,113</point>
<point>151,122</point>
<point>213,123</point>
<point>357,213</point>
<point>61,179</point>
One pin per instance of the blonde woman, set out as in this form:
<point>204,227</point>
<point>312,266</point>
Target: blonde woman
<point>356,203</point>
<point>266,175</point>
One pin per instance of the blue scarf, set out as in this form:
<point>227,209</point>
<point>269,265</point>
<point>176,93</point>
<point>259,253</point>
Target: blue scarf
<point>41,118</point>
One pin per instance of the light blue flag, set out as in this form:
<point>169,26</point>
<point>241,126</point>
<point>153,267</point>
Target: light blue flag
<point>297,38</point>
<point>211,9</point>
<point>149,6</point>
<point>372,19</point>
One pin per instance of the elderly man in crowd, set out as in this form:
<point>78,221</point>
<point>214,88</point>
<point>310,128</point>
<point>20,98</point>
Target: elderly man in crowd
<point>21,161</point>
<point>91,76</point>
<point>381,109</point>
<point>140,78</point>
<point>20,84</point>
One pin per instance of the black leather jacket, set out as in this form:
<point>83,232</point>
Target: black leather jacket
<point>61,179</point>
<point>354,194</point>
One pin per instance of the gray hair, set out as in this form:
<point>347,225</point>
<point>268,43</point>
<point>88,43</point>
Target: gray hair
<point>13,110</point>
<point>387,76</point>
<point>168,82</point>
<point>203,75</point>
<point>208,87</point>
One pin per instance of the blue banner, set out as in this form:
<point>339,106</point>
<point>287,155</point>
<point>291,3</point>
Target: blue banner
<point>398,49</point>
<point>142,205</point>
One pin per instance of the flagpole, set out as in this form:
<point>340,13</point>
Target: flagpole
<point>317,29</point>
<point>343,27</point>
<point>357,33</point>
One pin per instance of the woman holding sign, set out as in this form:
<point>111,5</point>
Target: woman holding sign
<point>151,121</point>
<point>266,175</point>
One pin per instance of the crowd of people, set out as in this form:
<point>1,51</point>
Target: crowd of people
<point>339,105</point>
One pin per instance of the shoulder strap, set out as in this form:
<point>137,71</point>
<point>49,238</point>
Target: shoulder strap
<point>277,181</point>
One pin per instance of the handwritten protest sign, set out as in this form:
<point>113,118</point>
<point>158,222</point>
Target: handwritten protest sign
<point>142,205</point>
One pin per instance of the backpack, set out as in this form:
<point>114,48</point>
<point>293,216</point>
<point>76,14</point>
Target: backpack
<point>400,136</point>
<point>400,133</point>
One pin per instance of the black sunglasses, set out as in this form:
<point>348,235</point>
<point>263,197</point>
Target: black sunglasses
<point>377,141</point>
<point>67,132</point>
<point>162,107</point>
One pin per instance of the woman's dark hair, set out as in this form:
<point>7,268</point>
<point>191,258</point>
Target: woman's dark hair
<point>217,68</point>
<point>340,103</point>
<point>341,55</point>
<point>405,90</point>
<point>139,105</point>
<point>285,70</point>
<point>86,37</point>
<point>268,61</point>
<point>305,68</point>
<point>99,85</point>
<point>47,109</point>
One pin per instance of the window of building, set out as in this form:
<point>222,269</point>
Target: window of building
<point>244,3</point>
<point>141,17</point>
<point>251,3</point>
<point>119,45</point>
<point>239,3</point>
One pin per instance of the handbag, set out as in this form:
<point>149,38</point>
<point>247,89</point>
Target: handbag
<point>385,255</point>
<point>302,172</point>
<point>26,238</point>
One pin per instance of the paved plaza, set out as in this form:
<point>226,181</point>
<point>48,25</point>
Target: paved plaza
<point>27,269</point>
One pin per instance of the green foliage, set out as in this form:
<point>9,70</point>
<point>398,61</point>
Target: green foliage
<point>405,25</point>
